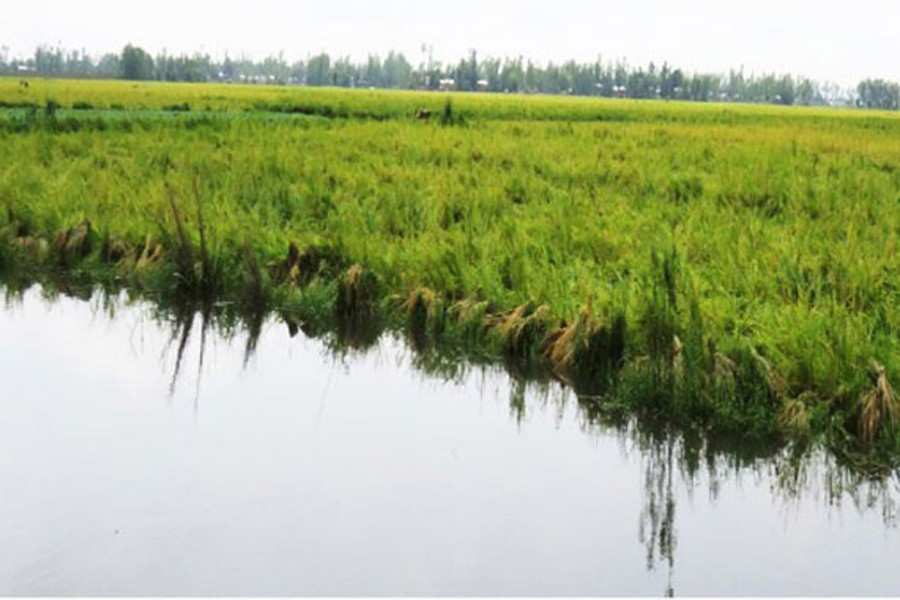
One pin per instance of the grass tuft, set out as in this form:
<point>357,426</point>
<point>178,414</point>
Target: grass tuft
<point>520,329</point>
<point>879,406</point>
<point>586,353</point>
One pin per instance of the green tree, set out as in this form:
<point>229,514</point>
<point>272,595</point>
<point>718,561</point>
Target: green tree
<point>512,76</point>
<point>878,93</point>
<point>135,64</point>
<point>467,72</point>
<point>396,71</point>
<point>318,69</point>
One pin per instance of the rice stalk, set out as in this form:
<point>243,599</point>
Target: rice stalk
<point>794,415</point>
<point>879,405</point>
<point>357,293</point>
<point>587,352</point>
<point>520,329</point>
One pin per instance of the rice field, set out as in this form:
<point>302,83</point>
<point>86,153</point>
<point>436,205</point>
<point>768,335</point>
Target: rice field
<point>728,268</point>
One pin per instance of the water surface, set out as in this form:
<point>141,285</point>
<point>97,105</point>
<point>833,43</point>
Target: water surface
<point>128,467</point>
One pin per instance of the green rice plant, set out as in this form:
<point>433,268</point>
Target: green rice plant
<point>468,317</point>
<point>426,315</point>
<point>358,293</point>
<point>309,309</point>
<point>192,276</point>
<point>356,309</point>
<point>659,327</point>
<point>257,288</point>
<point>316,261</point>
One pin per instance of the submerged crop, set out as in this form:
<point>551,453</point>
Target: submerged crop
<point>735,275</point>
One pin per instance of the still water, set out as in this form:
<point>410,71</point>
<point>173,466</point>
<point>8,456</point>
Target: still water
<point>132,465</point>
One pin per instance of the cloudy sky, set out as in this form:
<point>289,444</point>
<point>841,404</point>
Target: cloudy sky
<point>838,40</point>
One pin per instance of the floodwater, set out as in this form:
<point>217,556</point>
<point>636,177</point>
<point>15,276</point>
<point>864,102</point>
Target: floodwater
<point>128,467</point>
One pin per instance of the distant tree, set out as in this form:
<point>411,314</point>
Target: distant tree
<point>396,71</point>
<point>786,91</point>
<point>674,84</point>
<point>318,69</point>
<point>878,93</point>
<point>512,76</point>
<point>372,74</point>
<point>343,73</point>
<point>49,61</point>
<point>702,88</point>
<point>275,69</point>
<point>135,64</point>
<point>228,70</point>
<point>595,78</point>
<point>432,77</point>
<point>808,93</point>
<point>490,69</point>
<point>467,72</point>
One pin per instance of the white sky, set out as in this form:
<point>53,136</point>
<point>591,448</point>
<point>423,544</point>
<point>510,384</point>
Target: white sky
<point>837,40</point>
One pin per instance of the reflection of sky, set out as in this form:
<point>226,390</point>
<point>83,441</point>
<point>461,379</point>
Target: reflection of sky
<point>301,475</point>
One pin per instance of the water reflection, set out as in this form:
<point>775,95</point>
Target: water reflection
<point>674,465</point>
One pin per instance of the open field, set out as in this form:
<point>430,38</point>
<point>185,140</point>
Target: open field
<point>729,267</point>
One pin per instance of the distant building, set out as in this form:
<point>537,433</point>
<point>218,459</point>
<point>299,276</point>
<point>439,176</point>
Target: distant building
<point>482,85</point>
<point>446,85</point>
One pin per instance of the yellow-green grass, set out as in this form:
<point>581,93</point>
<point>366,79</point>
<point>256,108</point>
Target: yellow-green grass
<point>776,279</point>
<point>116,94</point>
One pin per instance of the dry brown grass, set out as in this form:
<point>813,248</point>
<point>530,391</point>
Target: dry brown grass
<point>794,415</point>
<point>561,345</point>
<point>774,381</point>
<point>521,327</point>
<point>152,253</point>
<point>74,243</point>
<point>879,405</point>
<point>357,292</point>
<point>419,299</point>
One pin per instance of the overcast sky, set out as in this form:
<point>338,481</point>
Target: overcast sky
<point>837,40</point>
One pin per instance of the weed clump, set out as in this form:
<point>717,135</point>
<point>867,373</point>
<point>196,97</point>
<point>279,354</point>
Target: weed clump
<point>195,275</point>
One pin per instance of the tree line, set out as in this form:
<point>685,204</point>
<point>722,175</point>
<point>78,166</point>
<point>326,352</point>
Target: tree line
<point>470,73</point>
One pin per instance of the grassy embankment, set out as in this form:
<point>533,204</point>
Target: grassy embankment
<point>732,268</point>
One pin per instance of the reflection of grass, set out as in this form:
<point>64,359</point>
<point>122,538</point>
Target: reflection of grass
<point>728,268</point>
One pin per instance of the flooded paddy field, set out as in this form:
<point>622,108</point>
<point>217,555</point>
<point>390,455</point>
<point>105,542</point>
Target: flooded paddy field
<point>724,269</point>
<point>146,455</point>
